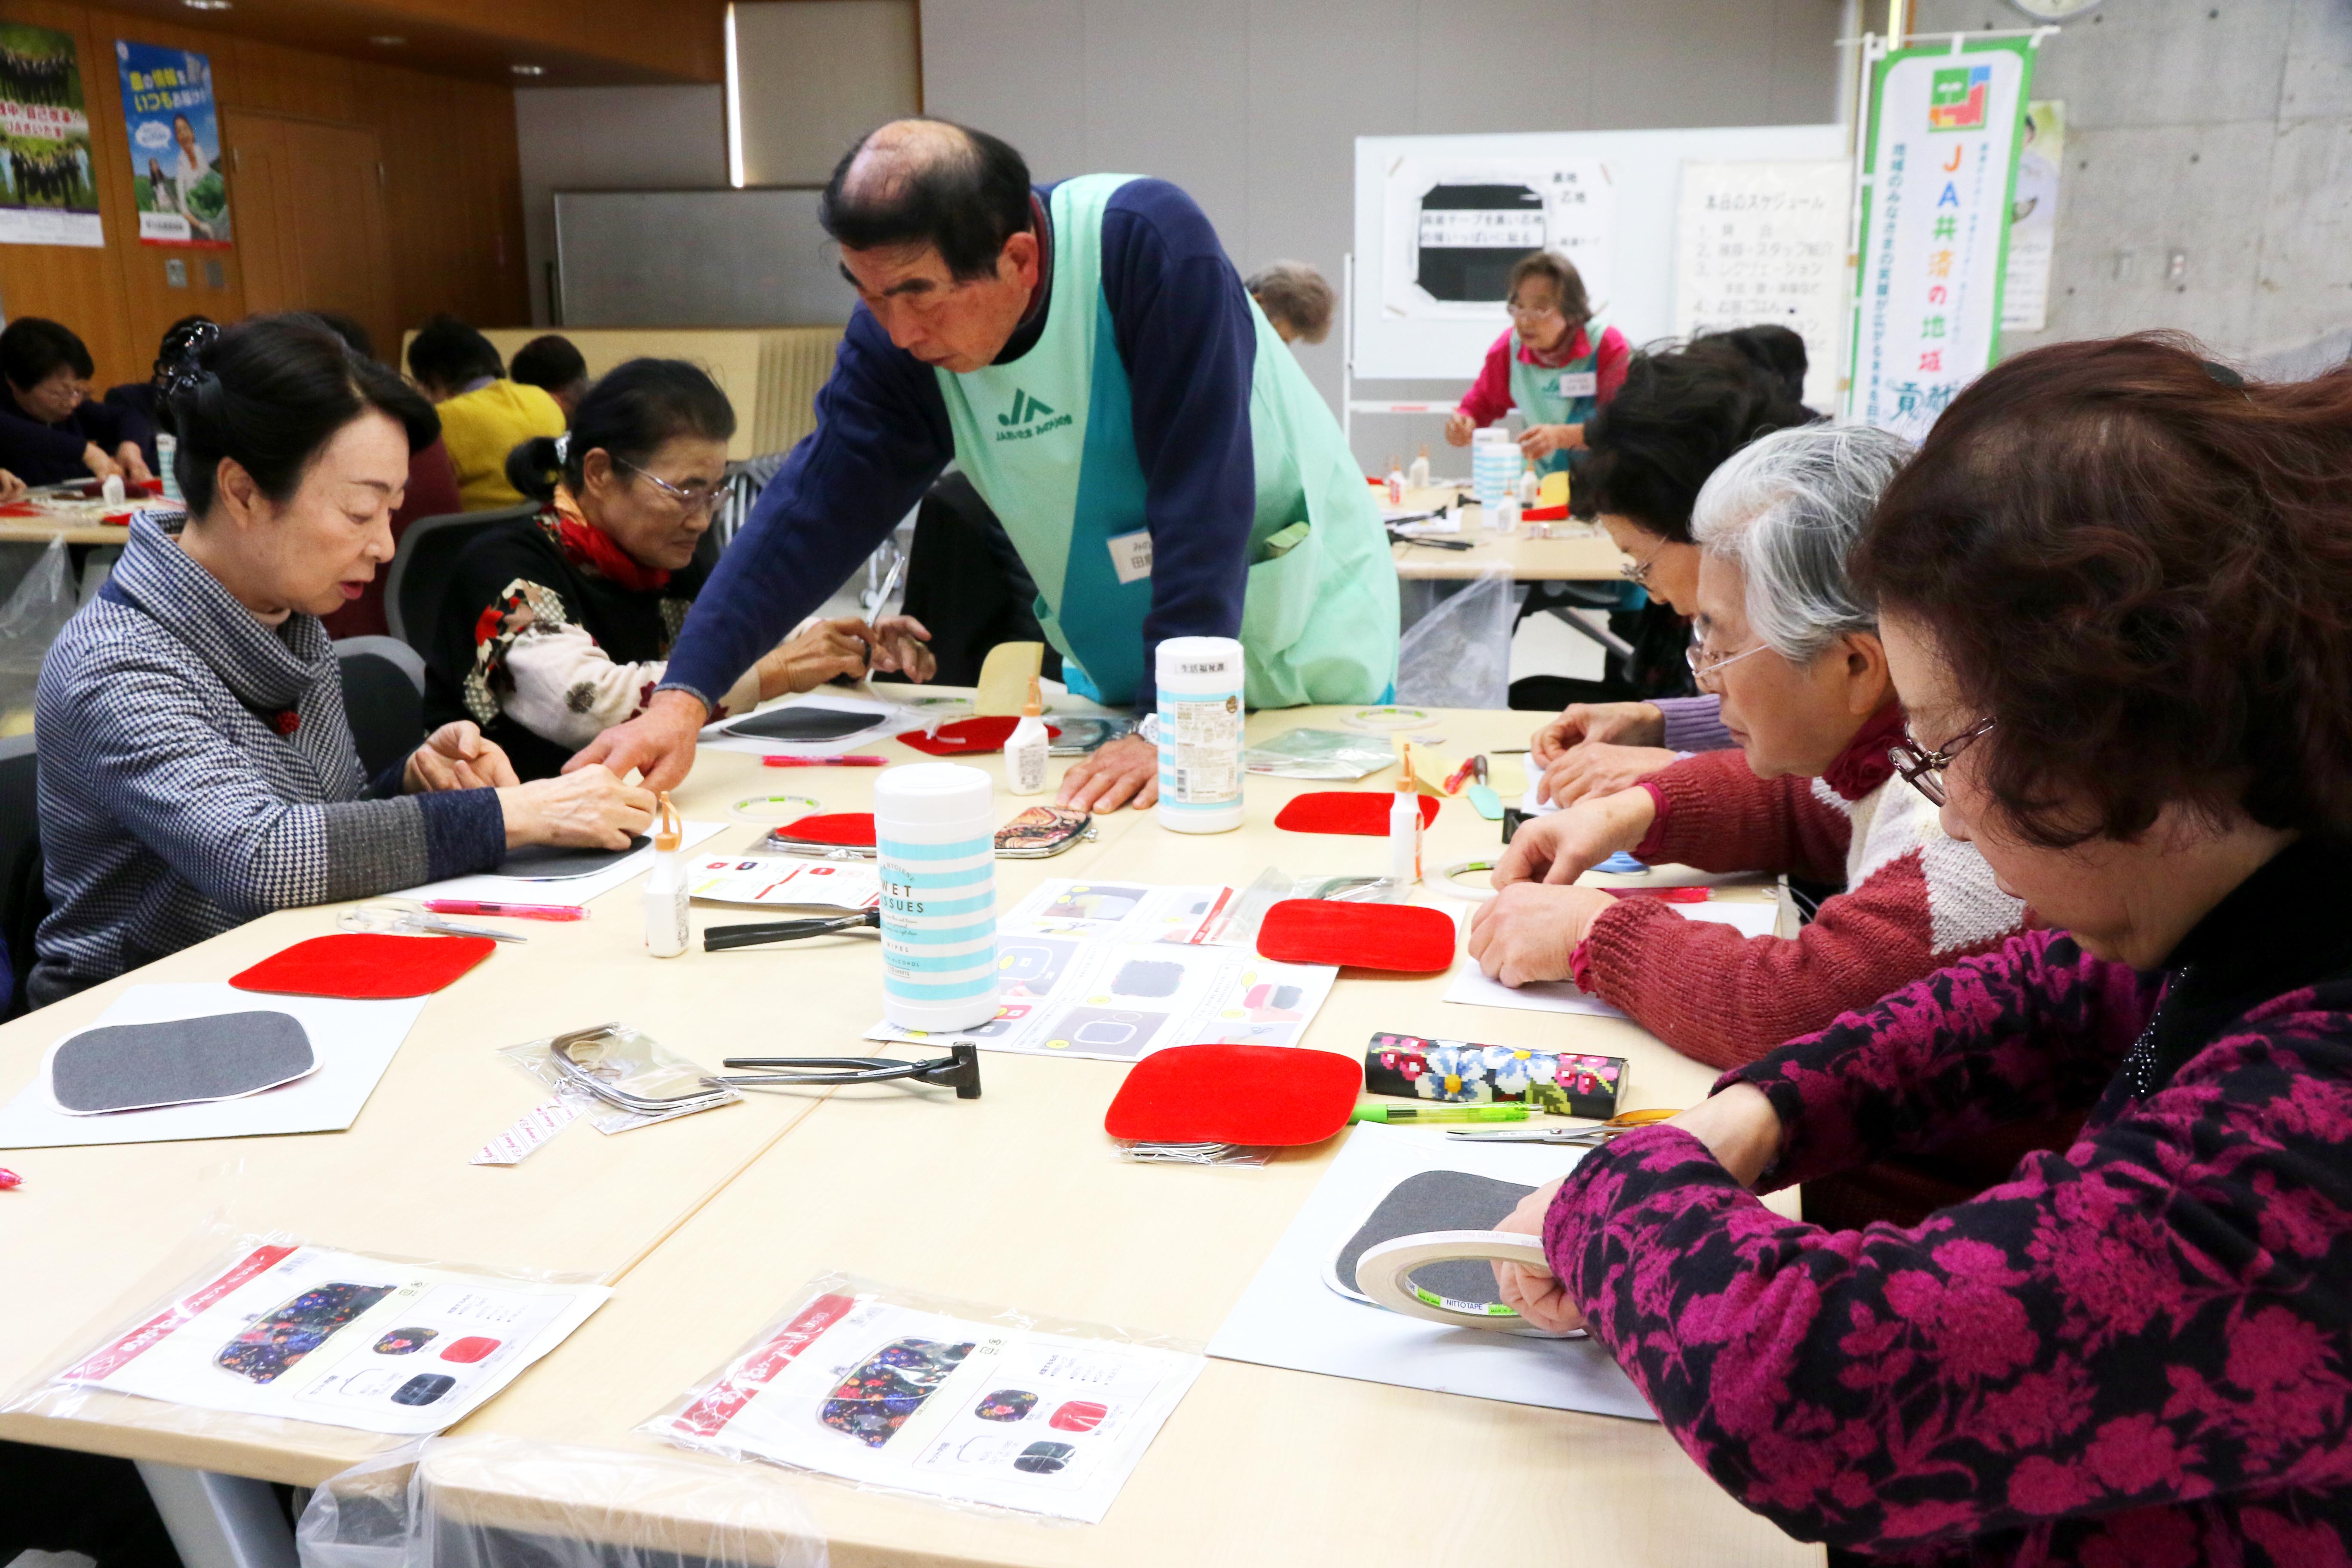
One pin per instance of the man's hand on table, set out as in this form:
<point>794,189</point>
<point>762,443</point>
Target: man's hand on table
<point>658,742</point>
<point>1126,772</point>
<point>1739,1127</point>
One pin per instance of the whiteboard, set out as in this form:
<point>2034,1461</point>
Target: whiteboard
<point>697,258</point>
<point>1766,242</point>
<point>1607,197</point>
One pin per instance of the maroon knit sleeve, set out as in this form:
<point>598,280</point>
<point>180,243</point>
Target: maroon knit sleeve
<point>1719,816</point>
<point>1725,998</point>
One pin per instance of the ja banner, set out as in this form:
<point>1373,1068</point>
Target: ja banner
<point>50,196</point>
<point>1939,164</point>
<point>175,177</point>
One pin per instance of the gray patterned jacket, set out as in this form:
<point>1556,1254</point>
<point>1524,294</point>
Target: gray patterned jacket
<point>197,770</point>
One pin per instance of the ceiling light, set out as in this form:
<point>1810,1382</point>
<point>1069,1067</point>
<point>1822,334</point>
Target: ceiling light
<point>528,71</point>
<point>389,41</point>
<point>205,4</point>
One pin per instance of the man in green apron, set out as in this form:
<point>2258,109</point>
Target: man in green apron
<point>1087,356</point>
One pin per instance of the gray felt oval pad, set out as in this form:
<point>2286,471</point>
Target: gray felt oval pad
<point>132,1067</point>
<point>804,722</point>
<point>1437,1200</point>
<point>548,862</point>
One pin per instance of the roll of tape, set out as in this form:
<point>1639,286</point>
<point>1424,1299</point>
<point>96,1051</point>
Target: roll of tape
<point>1385,1274</point>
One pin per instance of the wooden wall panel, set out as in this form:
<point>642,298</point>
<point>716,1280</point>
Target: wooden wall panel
<point>452,188</point>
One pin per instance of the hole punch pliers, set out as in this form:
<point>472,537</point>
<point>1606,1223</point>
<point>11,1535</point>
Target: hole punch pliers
<point>958,1070</point>
<point>718,939</point>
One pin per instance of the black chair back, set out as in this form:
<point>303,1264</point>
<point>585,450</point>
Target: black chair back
<point>23,900</point>
<point>384,697</point>
<point>419,577</point>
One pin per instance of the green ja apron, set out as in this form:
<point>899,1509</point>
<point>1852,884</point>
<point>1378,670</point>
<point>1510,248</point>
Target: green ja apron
<point>1048,440</point>
<point>1564,394</point>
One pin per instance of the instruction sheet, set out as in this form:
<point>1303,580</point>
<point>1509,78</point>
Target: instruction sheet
<point>895,1396</point>
<point>783,879</point>
<point>1115,970</point>
<point>312,1334</point>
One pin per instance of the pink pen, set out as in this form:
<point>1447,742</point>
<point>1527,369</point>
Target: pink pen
<point>10,1179</point>
<point>519,911</point>
<point>849,761</point>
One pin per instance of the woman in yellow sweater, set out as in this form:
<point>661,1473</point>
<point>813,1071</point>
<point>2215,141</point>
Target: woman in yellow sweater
<point>484,415</point>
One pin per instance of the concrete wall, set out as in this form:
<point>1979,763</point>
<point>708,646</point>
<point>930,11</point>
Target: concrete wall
<point>2220,129</point>
<point>614,139</point>
<point>1254,105</point>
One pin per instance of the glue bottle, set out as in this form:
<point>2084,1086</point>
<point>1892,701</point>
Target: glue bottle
<point>665,892</point>
<point>1404,826</point>
<point>1024,753</point>
<point>1396,483</point>
<point>1530,485</point>
<point>1417,477</point>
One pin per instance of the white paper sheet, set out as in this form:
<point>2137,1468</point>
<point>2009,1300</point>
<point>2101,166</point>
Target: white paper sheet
<point>1049,1423</point>
<point>353,1041</point>
<point>561,891</point>
<point>312,1334</point>
<point>1115,970</point>
<point>889,718</point>
<point>754,878</point>
<point>1289,1317</point>
<point>1472,986</point>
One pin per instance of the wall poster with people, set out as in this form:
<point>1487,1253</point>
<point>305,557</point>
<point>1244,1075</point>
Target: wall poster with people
<point>48,195</point>
<point>174,136</point>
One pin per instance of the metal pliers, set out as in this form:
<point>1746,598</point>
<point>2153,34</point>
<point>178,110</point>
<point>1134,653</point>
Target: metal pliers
<point>718,939</point>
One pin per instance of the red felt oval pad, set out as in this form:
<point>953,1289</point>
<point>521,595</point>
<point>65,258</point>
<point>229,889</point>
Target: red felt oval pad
<point>1263,1096</point>
<point>1359,811</point>
<point>969,737</point>
<point>366,965</point>
<point>851,827</point>
<point>1403,937</point>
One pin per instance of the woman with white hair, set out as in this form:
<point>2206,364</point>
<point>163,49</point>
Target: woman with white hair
<point>1781,635</point>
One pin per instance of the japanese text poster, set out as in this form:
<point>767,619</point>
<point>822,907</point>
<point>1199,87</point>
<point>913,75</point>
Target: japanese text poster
<point>1940,160</point>
<point>175,175</point>
<point>49,197</point>
<point>1758,243</point>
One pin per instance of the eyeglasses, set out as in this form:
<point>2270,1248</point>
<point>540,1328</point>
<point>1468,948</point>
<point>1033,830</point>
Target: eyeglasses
<point>699,499</point>
<point>1531,312</point>
<point>1638,571</point>
<point>1703,669</point>
<point>1924,769</point>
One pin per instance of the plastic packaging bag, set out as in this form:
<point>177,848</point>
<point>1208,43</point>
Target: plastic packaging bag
<point>897,1390</point>
<point>494,1503</point>
<point>30,621</point>
<point>1304,753</point>
<point>1459,654</point>
<point>331,1351</point>
<point>1192,1153</point>
<point>632,1063</point>
<point>1239,926</point>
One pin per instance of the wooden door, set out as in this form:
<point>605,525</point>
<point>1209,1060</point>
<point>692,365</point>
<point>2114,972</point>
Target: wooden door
<point>310,219</point>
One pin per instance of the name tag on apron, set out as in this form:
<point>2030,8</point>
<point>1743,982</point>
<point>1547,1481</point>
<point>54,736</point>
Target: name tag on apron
<point>1580,383</point>
<point>1130,555</point>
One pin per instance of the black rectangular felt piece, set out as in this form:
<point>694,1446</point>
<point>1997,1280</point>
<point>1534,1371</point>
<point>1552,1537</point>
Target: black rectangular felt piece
<point>806,721</point>
<point>551,863</point>
<point>134,1067</point>
<point>1436,1200</point>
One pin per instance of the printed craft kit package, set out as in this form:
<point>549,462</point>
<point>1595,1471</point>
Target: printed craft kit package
<point>276,1328</point>
<point>914,1394</point>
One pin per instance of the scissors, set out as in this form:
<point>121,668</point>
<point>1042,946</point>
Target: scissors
<point>718,939</point>
<point>400,917</point>
<point>1571,1137</point>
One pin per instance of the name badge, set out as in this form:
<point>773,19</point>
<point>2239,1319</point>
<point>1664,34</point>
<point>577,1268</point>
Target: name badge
<point>1130,555</point>
<point>1580,383</point>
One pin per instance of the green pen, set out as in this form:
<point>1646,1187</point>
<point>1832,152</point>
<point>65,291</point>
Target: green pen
<point>1397,1114</point>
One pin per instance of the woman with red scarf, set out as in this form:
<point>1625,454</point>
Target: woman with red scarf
<point>559,626</point>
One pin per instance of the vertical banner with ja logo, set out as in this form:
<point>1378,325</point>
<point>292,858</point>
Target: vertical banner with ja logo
<point>1939,161</point>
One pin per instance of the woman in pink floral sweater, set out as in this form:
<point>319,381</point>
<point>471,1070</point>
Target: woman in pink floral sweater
<point>2113,590</point>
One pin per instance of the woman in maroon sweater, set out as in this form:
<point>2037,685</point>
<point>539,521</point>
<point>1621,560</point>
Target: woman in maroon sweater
<point>2113,590</point>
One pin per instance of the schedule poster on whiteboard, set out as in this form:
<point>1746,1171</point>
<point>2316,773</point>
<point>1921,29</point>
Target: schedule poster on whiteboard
<point>1758,243</point>
<point>1440,220</point>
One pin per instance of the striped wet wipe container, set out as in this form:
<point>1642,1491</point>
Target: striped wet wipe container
<point>935,846</point>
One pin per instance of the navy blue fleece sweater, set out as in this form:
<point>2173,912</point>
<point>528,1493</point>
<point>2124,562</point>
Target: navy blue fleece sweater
<point>1185,331</point>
